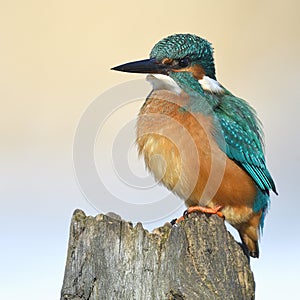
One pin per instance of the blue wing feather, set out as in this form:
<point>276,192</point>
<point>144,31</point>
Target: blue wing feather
<point>243,140</point>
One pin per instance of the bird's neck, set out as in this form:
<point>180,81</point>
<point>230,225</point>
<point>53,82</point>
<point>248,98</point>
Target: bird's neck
<point>192,86</point>
<point>178,82</point>
<point>204,94</point>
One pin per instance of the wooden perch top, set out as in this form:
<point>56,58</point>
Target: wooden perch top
<point>108,258</point>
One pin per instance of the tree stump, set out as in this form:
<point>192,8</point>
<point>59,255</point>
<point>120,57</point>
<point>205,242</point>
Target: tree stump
<point>108,258</point>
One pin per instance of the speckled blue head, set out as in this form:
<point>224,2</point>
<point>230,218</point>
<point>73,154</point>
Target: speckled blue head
<point>179,46</point>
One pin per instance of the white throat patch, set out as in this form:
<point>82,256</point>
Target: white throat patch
<point>163,82</point>
<point>211,85</point>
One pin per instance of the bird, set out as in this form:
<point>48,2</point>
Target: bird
<point>199,140</point>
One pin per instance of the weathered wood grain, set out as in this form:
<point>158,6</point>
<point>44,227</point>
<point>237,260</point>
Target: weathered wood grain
<point>108,258</point>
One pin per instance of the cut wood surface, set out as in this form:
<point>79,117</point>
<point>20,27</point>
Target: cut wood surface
<point>108,258</point>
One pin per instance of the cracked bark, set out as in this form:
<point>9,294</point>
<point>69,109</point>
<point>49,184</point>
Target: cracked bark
<point>108,258</point>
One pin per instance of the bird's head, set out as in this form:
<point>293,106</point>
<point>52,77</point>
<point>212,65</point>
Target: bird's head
<point>175,55</point>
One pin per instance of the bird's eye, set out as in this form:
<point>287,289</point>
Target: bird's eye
<point>183,62</point>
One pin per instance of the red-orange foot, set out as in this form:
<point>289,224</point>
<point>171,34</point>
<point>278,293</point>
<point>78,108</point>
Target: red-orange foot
<point>203,209</point>
<point>206,210</point>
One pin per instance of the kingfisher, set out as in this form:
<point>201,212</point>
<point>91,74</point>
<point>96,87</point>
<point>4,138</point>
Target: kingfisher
<point>199,140</point>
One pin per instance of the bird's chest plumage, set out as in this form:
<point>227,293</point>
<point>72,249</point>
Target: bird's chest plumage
<point>177,145</point>
<point>180,150</point>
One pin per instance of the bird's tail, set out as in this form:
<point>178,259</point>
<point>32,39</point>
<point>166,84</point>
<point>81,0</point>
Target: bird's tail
<point>249,233</point>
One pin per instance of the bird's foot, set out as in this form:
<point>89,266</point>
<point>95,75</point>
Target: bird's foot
<point>206,210</point>
<point>202,209</point>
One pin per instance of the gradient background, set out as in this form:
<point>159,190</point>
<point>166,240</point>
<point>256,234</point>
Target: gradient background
<point>55,58</point>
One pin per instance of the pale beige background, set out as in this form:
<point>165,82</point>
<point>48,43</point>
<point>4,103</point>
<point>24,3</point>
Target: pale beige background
<point>55,58</point>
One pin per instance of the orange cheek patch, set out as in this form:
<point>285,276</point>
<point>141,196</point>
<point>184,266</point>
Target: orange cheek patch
<point>196,70</point>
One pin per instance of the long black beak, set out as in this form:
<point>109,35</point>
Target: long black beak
<point>143,66</point>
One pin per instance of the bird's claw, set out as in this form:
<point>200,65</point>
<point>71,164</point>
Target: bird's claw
<point>202,209</point>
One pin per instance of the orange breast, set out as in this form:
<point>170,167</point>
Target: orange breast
<point>181,152</point>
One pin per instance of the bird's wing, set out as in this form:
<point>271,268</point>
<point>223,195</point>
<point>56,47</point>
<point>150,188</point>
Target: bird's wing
<point>242,139</point>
